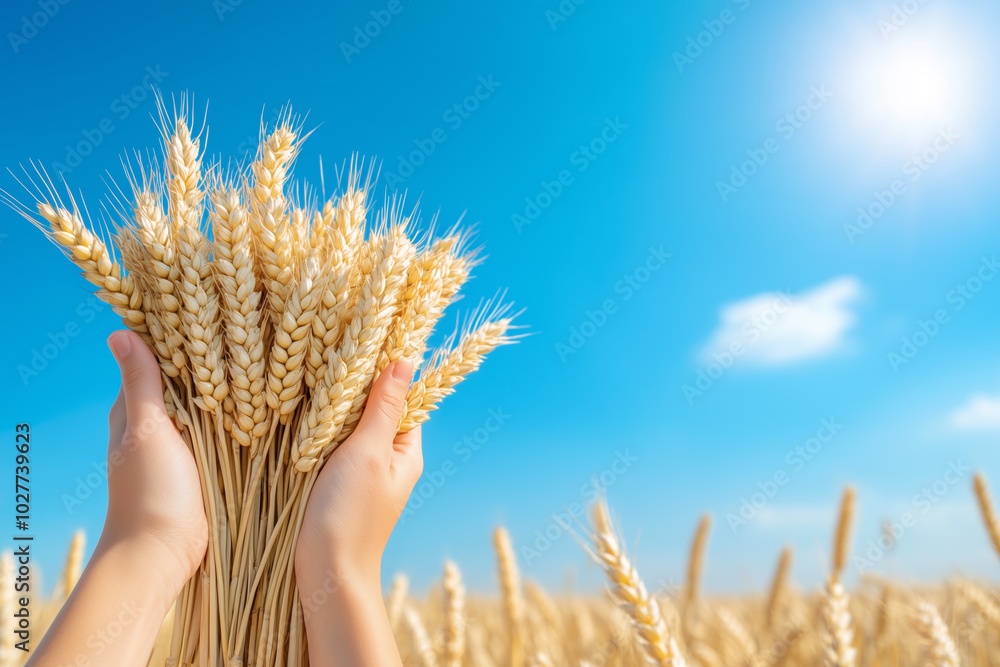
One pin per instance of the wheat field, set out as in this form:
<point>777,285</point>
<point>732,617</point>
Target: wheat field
<point>879,623</point>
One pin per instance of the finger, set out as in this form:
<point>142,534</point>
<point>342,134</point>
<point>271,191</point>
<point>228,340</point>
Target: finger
<point>386,402</point>
<point>408,456</point>
<point>140,375</point>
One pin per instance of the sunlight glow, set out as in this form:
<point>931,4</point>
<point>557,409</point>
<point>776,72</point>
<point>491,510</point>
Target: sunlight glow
<point>916,87</point>
<point>911,85</point>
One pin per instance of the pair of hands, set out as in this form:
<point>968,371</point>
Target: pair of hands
<point>156,527</point>
<point>154,493</point>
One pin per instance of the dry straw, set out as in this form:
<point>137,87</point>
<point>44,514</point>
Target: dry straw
<point>270,319</point>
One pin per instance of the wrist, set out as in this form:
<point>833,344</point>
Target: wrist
<point>320,576</point>
<point>144,556</point>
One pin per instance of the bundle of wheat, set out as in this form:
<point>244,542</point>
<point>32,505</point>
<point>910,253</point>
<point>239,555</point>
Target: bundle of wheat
<point>270,321</point>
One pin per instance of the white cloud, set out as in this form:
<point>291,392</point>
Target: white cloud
<point>773,328</point>
<point>982,412</point>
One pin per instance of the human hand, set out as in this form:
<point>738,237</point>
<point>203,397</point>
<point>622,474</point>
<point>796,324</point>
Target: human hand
<point>155,503</point>
<point>362,489</point>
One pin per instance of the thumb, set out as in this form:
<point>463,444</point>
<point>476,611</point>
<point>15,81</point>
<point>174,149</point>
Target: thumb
<point>140,373</point>
<point>386,401</point>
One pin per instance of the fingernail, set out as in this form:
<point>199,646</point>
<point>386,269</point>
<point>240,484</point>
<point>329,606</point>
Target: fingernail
<point>120,344</point>
<point>402,371</point>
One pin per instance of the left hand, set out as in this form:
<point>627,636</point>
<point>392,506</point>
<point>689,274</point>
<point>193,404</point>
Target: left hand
<point>154,493</point>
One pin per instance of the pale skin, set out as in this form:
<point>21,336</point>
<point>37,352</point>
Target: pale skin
<point>156,534</point>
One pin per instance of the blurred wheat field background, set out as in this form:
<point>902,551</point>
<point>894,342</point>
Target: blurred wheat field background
<point>880,623</point>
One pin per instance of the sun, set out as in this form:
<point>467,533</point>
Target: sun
<point>912,85</point>
<point>916,86</point>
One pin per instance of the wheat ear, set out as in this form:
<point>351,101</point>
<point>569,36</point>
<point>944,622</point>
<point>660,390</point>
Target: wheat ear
<point>235,275</point>
<point>74,563</point>
<point>513,600</point>
<point>629,593</point>
<point>134,259</point>
<point>201,317</point>
<point>421,642</point>
<point>91,255</point>
<point>842,536</point>
<point>934,635</point>
<point>345,229</point>
<point>449,367</point>
<point>286,365</point>
<point>152,229</point>
<point>987,509</point>
<point>454,596</point>
<point>984,603</point>
<point>779,588</point>
<point>696,562</point>
<point>199,303</point>
<point>397,599</point>
<point>269,217</point>
<point>839,650</point>
<point>352,366</point>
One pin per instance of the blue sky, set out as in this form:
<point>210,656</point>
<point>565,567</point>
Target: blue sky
<point>674,193</point>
